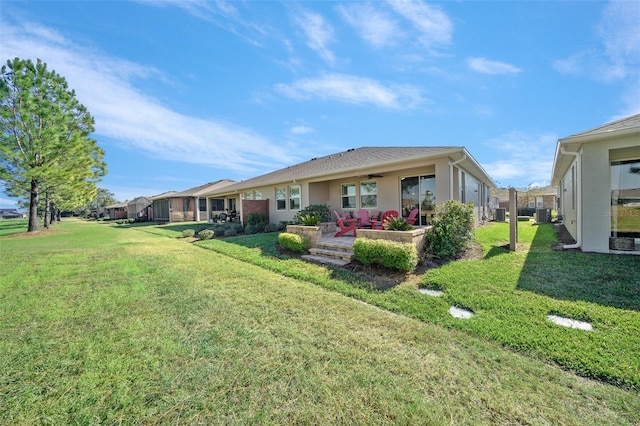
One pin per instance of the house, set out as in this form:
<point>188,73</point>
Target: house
<point>117,211</point>
<point>10,214</point>
<point>139,209</point>
<point>372,178</point>
<point>529,200</point>
<point>597,173</point>
<point>184,206</point>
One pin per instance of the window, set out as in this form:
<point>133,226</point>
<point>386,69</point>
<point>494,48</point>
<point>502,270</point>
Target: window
<point>349,196</point>
<point>248,195</point>
<point>625,198</point>
<point>258,195</point>
<point>368,195</point>
<point>294,197</point>
<point>532,203</point>
<point>539,202</point>
<point>281,198</point>
<point>217,204</point>
<point>202,204</point>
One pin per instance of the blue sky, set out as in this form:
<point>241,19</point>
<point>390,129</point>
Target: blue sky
<point>189,92</point>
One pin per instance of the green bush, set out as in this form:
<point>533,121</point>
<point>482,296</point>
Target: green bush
<point>119,221</point>
<point>206,234</point>
<point>257,219</point>
<point>452,231</point>
<point>293,242</point>
<point>396,224</point>
<point>254,229</point>
<point>188,233</point>
<point>271,227</point>
<point>231,232</point>
<point>390,254</point>
<point>310,220</point>
<point>321,211</point>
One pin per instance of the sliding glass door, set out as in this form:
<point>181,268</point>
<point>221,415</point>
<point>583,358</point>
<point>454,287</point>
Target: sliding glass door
<point>419,192</point>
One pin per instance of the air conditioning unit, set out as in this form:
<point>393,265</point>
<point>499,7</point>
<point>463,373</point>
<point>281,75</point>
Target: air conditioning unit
<point>501,215</point>
<point>543,215</point>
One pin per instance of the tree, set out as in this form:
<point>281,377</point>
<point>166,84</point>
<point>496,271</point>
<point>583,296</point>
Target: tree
<point>45,141</point>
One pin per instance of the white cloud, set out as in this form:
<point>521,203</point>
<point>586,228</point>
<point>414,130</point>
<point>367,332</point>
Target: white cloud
<point>521,157</point>
<point>487,66</point>
<point>374,26</point>
<point>136,119</point>
<point>618,57</point>
<point>318,32</point>
<point>354,90</point>
<point>300,130</point>
<point>431,22</point>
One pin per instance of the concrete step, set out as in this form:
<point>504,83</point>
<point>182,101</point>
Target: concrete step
<point>324,260</point>
<point>335,247</point>
<point>347,256</point>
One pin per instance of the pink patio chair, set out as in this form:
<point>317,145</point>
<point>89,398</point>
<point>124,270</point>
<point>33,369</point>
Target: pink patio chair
<point>413,216</point>
<point>345,225</point>
<point>379,224</point>
<point>364,221</point>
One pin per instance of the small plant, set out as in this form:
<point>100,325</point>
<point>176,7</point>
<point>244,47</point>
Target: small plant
<point>321,211</point>
<point>452,231</point>
<point>206,234</point>
<point>230,232</point>
<point>188,233</point>
<point>310,220</point>
<point>293,242</point>
<point>119,221</point>
<point>271,227</point>
<point>390,254</point>
<point>396,224</point>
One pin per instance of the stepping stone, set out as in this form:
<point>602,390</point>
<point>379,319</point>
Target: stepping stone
<point>430,292</point>
<point>570,323</point>
<point>456,312</point>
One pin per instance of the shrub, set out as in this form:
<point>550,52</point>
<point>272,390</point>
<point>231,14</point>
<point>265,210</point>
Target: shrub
<point>119,221</point>
<point>206,234</point>
<point>390,254</point>
<point>293,242</point>
<point>188,233</point>
<point>231,232</point>
<point>271,227</point>
<point>253,229</point>
<point>396,224</point>
<point>310,220</point>
<point>321,211</point>
<point>257,219</point>
<point>451,232</point>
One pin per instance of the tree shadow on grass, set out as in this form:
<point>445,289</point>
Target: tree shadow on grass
<point>603,279</point>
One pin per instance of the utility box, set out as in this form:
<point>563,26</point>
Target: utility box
<point>501,215</point>
<point>543,215</point>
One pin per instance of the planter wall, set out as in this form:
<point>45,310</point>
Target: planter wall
<point>414,236</point>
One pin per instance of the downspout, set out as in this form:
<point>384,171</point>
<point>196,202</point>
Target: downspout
<point>464,157</point>
<point>576,155</point>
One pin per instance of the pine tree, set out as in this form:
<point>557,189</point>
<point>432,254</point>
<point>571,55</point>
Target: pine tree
<point>45,141</point>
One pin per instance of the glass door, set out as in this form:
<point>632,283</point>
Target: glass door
<point>419,192</point>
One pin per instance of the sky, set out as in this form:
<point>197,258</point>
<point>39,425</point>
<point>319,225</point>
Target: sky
<point>189,92</point>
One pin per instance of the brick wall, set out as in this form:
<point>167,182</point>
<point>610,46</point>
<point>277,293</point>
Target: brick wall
<point>254,206</point>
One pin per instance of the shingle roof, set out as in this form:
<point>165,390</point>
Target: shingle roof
<point>202,189</point>
<point>625,123</point>
<point>367,158</point>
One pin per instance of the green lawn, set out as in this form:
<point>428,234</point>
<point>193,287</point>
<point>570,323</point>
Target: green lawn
<point>118,324</point>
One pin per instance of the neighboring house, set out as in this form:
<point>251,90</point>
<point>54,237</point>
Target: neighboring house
<point>139,209</point>
<point>372,178</point>
<point>10,214</point>
<point>529,200</point>
<point>117,211</point>
<point>597,174</point>
<point>184,206</point>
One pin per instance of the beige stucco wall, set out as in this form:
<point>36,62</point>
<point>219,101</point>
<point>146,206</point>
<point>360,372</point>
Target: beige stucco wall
<point>595,191</point>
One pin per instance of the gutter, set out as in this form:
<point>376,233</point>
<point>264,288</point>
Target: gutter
<point>577,156</point>
<point>464,157</point>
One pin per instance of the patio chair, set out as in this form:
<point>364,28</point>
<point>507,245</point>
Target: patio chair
<point>345,225</point>
<point>413,216</point>
<point>364,221</point>
<point>379,224</point>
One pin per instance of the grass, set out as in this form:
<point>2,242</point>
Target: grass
<point>107,324</point>
<point>511,294</point>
